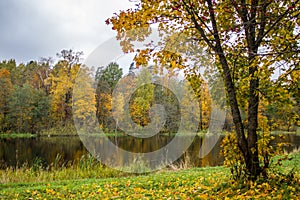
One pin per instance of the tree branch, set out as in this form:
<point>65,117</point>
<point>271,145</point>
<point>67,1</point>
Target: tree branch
<point>198,27</point>
<point>262,23</point>
<point>274,24</point>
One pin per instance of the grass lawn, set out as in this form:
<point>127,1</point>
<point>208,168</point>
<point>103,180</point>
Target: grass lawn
<point>195,183</point>
<point>17,135</point>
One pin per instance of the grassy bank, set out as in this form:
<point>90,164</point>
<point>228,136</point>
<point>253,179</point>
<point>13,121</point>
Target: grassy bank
<point>195,183</point>
<point>17,135</point>
<point>86,167</point>
<point>71,131</point>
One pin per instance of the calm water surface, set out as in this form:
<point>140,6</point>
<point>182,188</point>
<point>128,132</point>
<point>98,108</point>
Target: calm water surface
<point>17,151</point>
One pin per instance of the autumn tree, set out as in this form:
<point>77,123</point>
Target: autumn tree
<point>117,106</point>
<point>164,95</point>
<point>106,79</point>
<point>248,41</point>
<point>288,111</point>
<point>142,99</point>
<point>28,109</point>
<point>6,90</point>
<point>62,80</point>
<point>84,99</point>
<point>37,74</point>
<point>11,66</point>
<point>25,88</point>
<point>201,90</point>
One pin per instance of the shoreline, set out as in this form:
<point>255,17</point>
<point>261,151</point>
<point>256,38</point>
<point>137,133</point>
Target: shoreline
<point>199,183</point>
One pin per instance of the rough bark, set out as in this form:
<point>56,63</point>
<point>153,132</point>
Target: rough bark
<point>254,26</point>
<point>247,146</point>
<point>252,162</point>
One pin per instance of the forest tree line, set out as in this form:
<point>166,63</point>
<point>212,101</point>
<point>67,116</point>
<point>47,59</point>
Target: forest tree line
<point>37,96</point>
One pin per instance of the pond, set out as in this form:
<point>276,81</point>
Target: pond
<point>17,151</point>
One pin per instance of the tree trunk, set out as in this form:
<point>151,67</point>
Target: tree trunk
<point>252,162</point>
<point>200,116</point>
<point>236,115</point>
<point>247,146</point>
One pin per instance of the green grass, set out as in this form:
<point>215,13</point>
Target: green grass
<point>194,183</point>
<point>71,131</point>
<point>180,184</point>
<point>287,163</point>
<point>17,135</point>
<point>86,167</point>
<point>284,132</point>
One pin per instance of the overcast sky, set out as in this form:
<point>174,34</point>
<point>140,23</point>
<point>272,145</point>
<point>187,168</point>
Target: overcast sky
<point>31,29</point>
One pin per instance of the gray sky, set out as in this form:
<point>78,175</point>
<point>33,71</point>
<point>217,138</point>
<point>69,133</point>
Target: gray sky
<point>31,29</point>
